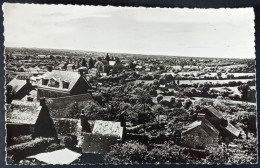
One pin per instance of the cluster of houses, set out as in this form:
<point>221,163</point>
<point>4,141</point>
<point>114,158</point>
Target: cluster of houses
<point>48,110</point>
<point>56,103</point>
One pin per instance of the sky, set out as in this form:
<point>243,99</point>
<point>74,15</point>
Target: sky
<point>222,33</point>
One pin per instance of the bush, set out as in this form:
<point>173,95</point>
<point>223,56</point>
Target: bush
<point>129,152</point>
<point>159,98</point>
<point>20,139</point>
<point>18,152</point>
<point>53,147</point>
<point>70,141</point>
<point>164,154</point>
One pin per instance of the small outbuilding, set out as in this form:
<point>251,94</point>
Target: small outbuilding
<point>29,118</point>
<point>103,136</point>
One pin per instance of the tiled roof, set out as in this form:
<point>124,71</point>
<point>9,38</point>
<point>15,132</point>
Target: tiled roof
<point>70,76</point>
<point>22,112</point>
<point>17,84</point>
<point>108,128</point>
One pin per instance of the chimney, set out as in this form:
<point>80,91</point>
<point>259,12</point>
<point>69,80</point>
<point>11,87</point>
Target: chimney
<point>44,81</point>
<point>81,72</point>
<point>42,102</point>
<point>27,81</point>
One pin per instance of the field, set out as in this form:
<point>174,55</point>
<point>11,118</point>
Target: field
<point>190,82</point>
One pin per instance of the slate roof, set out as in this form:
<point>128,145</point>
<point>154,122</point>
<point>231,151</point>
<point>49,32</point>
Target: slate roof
<point>213,111</point>
<point>210,129</point>
<point>231,129</point>
<point>22,112</point>
<point>70,76</point>
<point>17,84</point>
<point>192,126</point>
<point>62,156</point>
<point>110,128</point>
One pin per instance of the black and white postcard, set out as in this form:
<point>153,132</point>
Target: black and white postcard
<point>129,85</point>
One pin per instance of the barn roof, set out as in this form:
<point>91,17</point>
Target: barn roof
<point>213,111</point>
<point>108,128</point>
<point>22,112</point>
<point>70,76</point>
<point>17,84</point>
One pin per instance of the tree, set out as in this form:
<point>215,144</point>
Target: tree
<point>162,80</point>
<point>49,68</point>
<point>84,62</point>
<point>169,79</point>
<point>91,63</point>
<point>172,100</point>
<point>252,95</point>
<point>132,66</point>
<point>129,152</point>
<point>158,110</point>
<point>159,98</point>
<point>156,82</point>
<point>178,103</point>
<point>187,104</point>
<point>107,57</point>
<point>219,74</point>
<point>167,153</point>
<point>244,89</point>
<point>7,57</point>
<point>9,94</point>
<point>204,88</point>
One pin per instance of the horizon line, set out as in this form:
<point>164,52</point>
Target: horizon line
<point>129,53</point>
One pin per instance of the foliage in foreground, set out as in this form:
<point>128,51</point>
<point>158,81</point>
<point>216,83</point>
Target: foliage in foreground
<point>135,152</point>
<point>18,152</point>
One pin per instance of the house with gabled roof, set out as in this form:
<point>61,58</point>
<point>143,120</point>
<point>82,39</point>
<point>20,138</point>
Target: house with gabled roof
<point>62,83</point>
<point>20,87</point>
<point>209,127</point>
<point>199,134</point>
<point>103,136</point>
<point>29,118</point>
<point>229,132</point>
